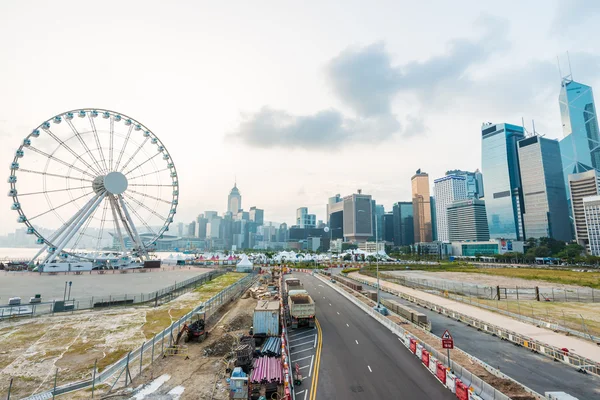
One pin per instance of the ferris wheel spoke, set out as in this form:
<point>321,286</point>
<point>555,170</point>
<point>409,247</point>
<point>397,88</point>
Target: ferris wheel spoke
<point>84,144</point>
<point>60,206</point>
<point>54,175</point>
<point>116,223</point>
<point>66,146</point>
<point>85,227</point>
<point>123,148</point>
<point>134,211</point>
<point>150,197</point>
<point>139,165</point>
<point>132,229</point>
<point>134,154</point>
<point>112,143</point>
<point>139,203</point>
<point>58,160</point>
<point>102,223</point>
<point>93,124</point>
<point>53,191</point>
<point>149,173</point>
<point>149,185</point>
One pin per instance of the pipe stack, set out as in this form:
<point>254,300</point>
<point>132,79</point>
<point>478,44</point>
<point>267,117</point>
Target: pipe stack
<point>271,347</point>
<point>267,370</point>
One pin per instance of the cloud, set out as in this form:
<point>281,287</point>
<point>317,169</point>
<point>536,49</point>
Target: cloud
<point>326,129</point>
<point>365,80</point>
<point>571,13</point>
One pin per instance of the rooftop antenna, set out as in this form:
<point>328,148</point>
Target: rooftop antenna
<point>570,70</point>
<point>533,126</point>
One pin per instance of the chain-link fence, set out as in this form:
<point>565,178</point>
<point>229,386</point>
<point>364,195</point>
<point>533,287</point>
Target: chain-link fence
<point>101,302</point>
<point>163,343</point>
<point>538,306</point>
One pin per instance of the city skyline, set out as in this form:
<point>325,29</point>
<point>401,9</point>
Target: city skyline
<point>425,96</point>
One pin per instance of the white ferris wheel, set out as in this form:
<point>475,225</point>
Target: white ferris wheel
<point>88,177</point>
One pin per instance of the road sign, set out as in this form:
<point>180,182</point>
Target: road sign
<point>447,340</point>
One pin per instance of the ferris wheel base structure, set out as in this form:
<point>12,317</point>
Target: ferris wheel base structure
<point>99,171</point>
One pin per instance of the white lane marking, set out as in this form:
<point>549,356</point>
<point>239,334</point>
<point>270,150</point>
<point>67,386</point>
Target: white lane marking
<point>306,366</point>
<point>356,341</point>
<point>338,312</point>
<point>348,325</point>
<point>315,345</point>
<point>329,304</point>
<point>321,285</point>
<point>299,351</point>
<point>302,333</point>
<point>323,296</point>
<point>311,365</point>
<point>302,344</point>
<point>370,370</point>
<point>303,358</point>
<point>300,392</point>
<point>302,338</point>
<point>305,393</point>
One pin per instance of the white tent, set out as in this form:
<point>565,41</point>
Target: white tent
<point>244,265</point>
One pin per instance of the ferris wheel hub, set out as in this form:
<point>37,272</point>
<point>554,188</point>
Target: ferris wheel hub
<point>115,183</point>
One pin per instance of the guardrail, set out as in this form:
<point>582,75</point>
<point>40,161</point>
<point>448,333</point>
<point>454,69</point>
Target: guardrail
<point>480,387</point>
<point>88,303</point>
<point>124,366</point>
<point>574,360</point>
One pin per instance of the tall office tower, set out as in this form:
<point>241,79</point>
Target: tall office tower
<point>210,215</point>
<point>467,220</point>
<point>257,215</point>
<point>377,220</point>
<point>357,216</point>
<point>333,203</point>
<point>283,233</point>
<point>447,190</point>
<point>474,181</point>
<point>304,219</point>
<point>180,229</point>
<point>500,168</point>
<point>421,207</point>
<point>404,228</point>
<point>201,223</point>
<point>434,233</point>
<point>213,228</point>
<point>582,185</point>
<point>580,146</point>
<point>191,229</point>
<point>591,209</point>
<point>234,200</point>
<point>544,194</point>
<point>388,228</point>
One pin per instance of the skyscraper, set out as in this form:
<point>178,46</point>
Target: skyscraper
<point>580,146</point>
<point>257,215</point>
<point>474,181</point>
<point>388,228</point>
<point>447,190</point>
<point>234,200</point>
<point>501,177</point>
<point>304,219</point>
<point>434,234</point>
<point>358,225</point>
<point>377,219</point>
<point>582,185</point>
<point>202,222</point>
<point>421,207</point>
<point>591,208</point>
<point>467,220</point>
<point>544,195</point>
<point>404,226</point>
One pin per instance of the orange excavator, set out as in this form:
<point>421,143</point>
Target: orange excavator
<point>196,331</point>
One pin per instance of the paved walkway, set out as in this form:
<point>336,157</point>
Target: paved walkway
<point>579,346</point>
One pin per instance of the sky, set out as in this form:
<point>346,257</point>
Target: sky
<point>296,101</point>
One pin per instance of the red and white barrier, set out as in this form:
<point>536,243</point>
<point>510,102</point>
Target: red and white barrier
<point>462,390</point>
<point>419,351</point>
<point>450,380</point>
<point>440,372</point>
<point>432,364</point>
<point>425,358</point>
<point>413,345</point>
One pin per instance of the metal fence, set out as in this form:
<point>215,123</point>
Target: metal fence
<point>519,303</point>
<point>127,368</point>
<point>480,387</point>
<point>102,302</point>
<point>555,353</point>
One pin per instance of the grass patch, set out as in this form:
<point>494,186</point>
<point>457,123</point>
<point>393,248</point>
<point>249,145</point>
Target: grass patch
<point>559,276</point>
<point>111,358</point>
<point>160,318</point>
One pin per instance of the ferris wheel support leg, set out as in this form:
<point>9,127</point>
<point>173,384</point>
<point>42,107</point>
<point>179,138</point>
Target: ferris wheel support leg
<point>113,207</point>
<point>137,238</point>
<point>66,225</point>
<point>77,226</point>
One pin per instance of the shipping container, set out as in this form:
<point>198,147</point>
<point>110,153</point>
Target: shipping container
<point>266,318</point>
<point>152,264</point>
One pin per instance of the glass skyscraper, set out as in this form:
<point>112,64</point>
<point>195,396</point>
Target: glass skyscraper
<point>500,168</point>
<point>404,234</point>
<point>580,146</point>
<point>474,182</point>
<point>544,193</point>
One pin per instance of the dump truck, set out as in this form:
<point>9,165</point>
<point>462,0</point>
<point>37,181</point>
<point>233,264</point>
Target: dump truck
<point>302,309</point>
<point>293,284</point>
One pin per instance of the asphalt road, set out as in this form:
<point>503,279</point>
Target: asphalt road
<point>361,359</point>
<point>538,372</point>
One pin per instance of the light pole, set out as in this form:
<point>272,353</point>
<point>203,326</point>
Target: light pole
<point>379,307</point>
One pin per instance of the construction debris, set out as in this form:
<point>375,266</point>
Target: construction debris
<point>220,347</point>
<point>243,321</point>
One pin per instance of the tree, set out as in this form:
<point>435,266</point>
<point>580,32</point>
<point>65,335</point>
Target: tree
<point>347,257</point>
<point>348,246</point>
